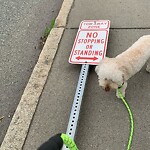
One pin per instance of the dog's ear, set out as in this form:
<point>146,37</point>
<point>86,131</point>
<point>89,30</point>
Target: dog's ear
<point>98,66</point>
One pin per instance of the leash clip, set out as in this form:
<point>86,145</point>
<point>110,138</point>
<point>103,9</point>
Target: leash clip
<point>121,86</point>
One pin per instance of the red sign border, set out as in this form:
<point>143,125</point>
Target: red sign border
<point>91,62</point>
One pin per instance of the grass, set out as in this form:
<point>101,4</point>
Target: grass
<point>48,29</point>
<point>46,33</point>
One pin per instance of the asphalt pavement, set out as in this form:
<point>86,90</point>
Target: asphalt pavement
<point>22,23</point>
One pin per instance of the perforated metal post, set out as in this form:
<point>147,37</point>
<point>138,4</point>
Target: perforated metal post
<point>75,111</point>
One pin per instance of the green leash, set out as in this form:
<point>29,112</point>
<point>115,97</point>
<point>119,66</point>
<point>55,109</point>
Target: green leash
<point>69,142</point>
<point>131,118</point>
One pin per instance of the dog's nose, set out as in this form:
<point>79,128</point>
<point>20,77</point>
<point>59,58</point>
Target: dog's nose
<point>107,88</point>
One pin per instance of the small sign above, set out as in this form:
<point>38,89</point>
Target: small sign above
<point>91,42</point>
<point>94,24</point>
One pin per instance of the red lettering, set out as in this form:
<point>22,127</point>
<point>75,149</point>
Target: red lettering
<point>75,52</point>
<point>95,34</point>
<point>89,35</point>
<point>81,53</point>
<point>96,52</point>
<point>102,41</point>
<point>85,52</point>
<point>100,53</point>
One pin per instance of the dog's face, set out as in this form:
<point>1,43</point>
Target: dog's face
<point>109,75</point>
<point>108,84</point>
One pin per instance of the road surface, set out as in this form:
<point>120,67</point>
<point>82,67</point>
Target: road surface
<point>22,23</point>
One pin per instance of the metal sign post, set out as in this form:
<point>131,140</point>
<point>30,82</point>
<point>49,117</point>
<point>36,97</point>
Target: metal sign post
<point>89,48</point>
<point>75,111</point>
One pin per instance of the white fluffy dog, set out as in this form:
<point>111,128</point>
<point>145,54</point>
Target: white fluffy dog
<point>113,72</point>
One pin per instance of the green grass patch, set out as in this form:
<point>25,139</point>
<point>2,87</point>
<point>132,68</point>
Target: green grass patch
<point>48,29</point>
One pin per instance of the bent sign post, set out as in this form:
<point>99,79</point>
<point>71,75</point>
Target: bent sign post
<point>91,42</point>
<point>88,49</point>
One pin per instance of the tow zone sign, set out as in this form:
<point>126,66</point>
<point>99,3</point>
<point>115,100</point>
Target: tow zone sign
<point>91,42</point>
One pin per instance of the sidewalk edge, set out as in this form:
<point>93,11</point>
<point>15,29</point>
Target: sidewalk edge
<point>19,126</point>
<point>62,17</point>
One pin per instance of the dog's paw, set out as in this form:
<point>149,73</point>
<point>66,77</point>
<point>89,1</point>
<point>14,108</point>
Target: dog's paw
<point>148,68</point>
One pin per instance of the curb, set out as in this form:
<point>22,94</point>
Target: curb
<point>61,19</point>
<point>20,123</point>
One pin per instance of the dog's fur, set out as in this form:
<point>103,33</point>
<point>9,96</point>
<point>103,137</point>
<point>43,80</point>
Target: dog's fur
<point>112,72</point>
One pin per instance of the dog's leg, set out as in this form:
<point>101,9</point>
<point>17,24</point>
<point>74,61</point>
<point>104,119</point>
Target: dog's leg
<point>123,89</point>
<point>148,66</point>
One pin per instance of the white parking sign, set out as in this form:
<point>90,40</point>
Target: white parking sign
<point>91,42</point>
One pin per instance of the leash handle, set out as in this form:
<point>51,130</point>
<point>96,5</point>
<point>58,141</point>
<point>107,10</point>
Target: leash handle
<point>69,142</point>
<point>56,142</point>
